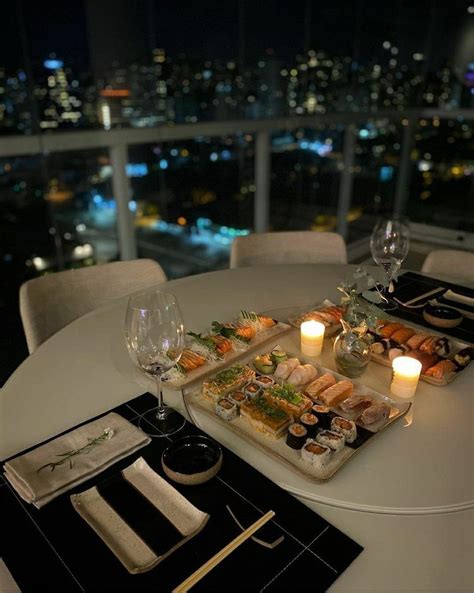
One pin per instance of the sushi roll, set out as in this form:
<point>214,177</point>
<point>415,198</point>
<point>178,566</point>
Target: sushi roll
<point>356,404</point>
<point>284,369</point>
<point>337,393</point>
<point>331,439</point>
<point>226,409</point>
<point>264,364</point>
<point>463,357</point>
<point>278,355</point>
<point>309,421</point>
<point>345,427</point>
<point>441,369</point>
<point>315,453</point>
<point>264,381</point>
<point>442,347</point>
<point>323,415</point>
<point>314,389</point>
<point>296,436</point>
<point>402,335</point>
<point>375,413</point>
<point>238,398</point>
<point>252,390</point>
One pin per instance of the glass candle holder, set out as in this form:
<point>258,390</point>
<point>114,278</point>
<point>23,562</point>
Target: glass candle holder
<point>405,375</point>
<point>312,337</point>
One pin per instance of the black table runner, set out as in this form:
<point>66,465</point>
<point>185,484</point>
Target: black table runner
<point>411,282</point>
<point>53,549</point>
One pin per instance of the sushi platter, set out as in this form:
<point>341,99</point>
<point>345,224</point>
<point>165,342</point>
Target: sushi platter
<point>442,359</point>
<point>224,343</point>
<point>326,312</point>
<point>298,412</point>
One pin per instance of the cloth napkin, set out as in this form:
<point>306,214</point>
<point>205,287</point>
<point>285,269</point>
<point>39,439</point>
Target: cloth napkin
<point>40,487</point>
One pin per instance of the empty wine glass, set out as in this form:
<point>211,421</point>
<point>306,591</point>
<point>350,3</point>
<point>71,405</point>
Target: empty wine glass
<point>154,334</point>
<point>389,245</point>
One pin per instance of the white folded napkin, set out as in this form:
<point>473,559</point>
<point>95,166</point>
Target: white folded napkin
<point>119,438</point>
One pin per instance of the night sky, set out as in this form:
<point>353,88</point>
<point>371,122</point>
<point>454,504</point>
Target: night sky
<point>210,28</point>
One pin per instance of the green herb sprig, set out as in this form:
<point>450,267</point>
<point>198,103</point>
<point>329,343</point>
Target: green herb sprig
<point>105,436</point>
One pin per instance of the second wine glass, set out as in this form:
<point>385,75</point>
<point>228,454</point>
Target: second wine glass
<point>154,334</point>
<point>389,246</point>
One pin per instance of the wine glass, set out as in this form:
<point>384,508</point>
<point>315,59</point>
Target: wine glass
<point>154,334</point>
<point>389,245</point>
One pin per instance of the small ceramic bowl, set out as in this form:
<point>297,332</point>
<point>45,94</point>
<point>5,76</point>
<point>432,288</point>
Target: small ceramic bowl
<point>442,316</point>
<point>192,460</point>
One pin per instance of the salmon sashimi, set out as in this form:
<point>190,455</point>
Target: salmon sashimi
<point>266,321</point>
<point>442,368</point>
<point>223,344</point>
<point>190,360</point>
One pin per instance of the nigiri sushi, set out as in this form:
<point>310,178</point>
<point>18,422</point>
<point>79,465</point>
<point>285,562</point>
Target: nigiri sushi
<point>337,393</point>
<point>314,389</point>
<point>375,413</point>
<point>441,369</point>
<point>285,368</point>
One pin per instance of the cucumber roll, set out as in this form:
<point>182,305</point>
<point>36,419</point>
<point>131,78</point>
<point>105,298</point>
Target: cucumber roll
<point>278,355</point>
<point>264,364</point>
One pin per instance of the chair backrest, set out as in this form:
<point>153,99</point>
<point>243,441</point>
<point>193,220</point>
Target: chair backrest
<point>50,302</point>
<point>450,263</point>
<point>289,247</point>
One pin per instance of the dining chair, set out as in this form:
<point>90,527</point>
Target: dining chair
<point>450,263</point>
<point>50,302</point>
<point>288,247</point>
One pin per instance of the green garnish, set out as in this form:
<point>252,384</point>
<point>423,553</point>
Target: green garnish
<point>228,376</point>
<point>286,392</point>
<point>249,316</point>
<point>270,410</point>
<point>206,342</point>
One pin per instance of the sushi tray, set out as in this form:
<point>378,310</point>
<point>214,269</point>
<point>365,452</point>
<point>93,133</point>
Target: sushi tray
<point>224,343</point>
<point>300,413</point>
<point>325,312</point>
<point>442,358</point>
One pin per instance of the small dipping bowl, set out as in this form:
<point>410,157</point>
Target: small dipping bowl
<point>192,460</point>
<point>442,316</point>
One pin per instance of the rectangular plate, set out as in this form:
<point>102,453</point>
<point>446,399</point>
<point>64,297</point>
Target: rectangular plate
<point>457,344</point>
<point>229,358</point>
<point>124,542</point>
<point>279,450</point>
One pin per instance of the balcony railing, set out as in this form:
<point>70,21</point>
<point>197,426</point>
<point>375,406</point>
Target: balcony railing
<point>118,141</point>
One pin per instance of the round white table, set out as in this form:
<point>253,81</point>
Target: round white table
<point>407,497</point>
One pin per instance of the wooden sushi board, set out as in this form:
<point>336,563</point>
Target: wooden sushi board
<point>383,358</point>
<point>280,451</point>
<point>209,368</point>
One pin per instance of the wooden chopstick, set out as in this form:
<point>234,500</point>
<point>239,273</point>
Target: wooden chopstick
<point>214,561</point>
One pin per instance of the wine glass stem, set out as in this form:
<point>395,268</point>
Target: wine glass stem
<point>160,412</point>
<point>387,268</point>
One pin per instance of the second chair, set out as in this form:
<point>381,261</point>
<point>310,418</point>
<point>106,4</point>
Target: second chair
<point>288,247</point>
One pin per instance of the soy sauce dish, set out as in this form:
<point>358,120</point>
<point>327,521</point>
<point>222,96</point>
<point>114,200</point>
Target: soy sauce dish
<point>192,460</point>
<point>442,316</point>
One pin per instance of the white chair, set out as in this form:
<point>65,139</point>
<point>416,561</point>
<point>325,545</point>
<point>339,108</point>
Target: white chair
<point>50,302</point>
<point>289,247</point>
<point>451,264</point>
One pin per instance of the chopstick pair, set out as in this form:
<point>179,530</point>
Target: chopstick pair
<point>201,572</point>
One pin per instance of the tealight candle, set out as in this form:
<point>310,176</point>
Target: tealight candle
<point>312,337</point>
<point>405,374</point>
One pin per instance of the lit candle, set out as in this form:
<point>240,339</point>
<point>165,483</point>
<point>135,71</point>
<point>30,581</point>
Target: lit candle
<point>312,337</point>
<point>405,374</point>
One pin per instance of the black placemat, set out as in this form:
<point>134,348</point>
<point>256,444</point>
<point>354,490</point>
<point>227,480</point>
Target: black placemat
<point>53,549</point>
<point>420,284</point>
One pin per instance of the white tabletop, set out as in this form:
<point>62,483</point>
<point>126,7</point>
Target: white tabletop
<point>407,497</point>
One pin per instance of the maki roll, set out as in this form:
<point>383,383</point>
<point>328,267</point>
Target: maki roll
<point>238,398</point>
<point>331,439</point>
<point>296,436</point>
<point>322,414</point>
<point>443,347</point>
<point>264,364</point>
<point>252,389</point>
<point>278,355</point>
<point>264,381</point>
<point>345,427</point>
<point>315,453</point>
<point>309,421</point>
<point>226,409</point>
<point>463,357</point>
